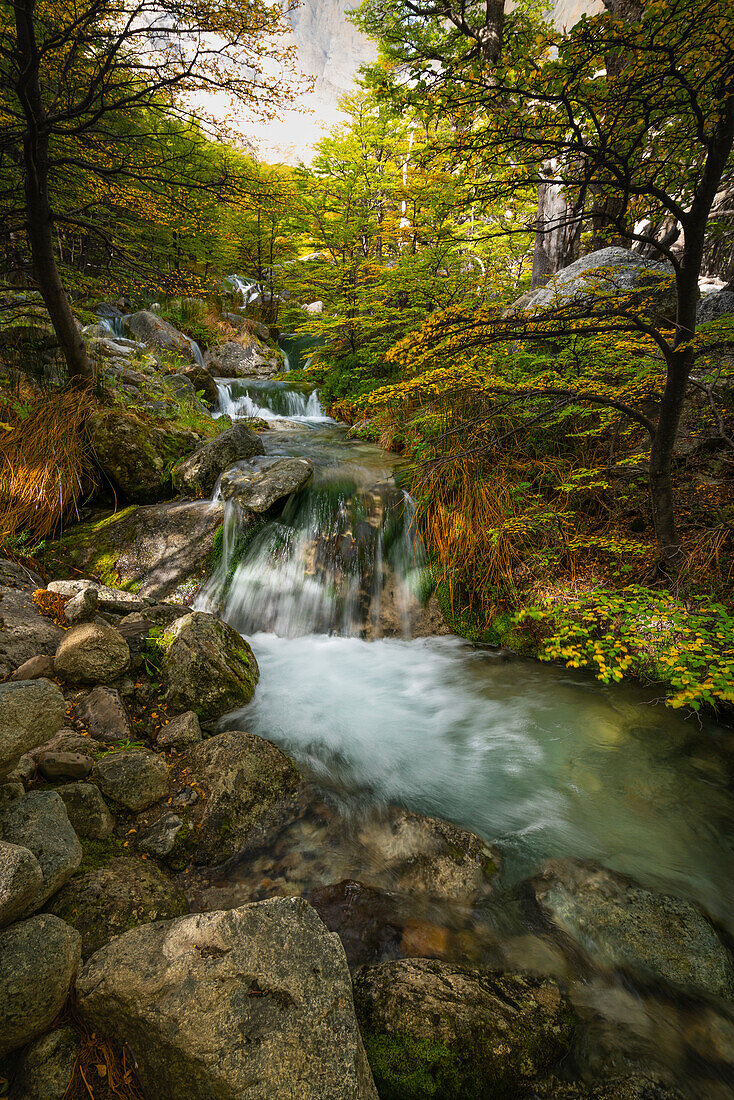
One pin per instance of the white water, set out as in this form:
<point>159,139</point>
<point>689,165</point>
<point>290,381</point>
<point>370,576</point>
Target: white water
<point>268,401</point>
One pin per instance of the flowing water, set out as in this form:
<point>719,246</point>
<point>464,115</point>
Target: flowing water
<point>540,761</point>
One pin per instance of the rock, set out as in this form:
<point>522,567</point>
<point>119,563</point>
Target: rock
<point>21,881</point>
<point>208,666</point>
<point>31,711</point>
<point>109,900</point>
<point>154,332</point>
<point>258,489</point>
<point>25,770</point>
<point>83,607</point>
<point>234,360</point>
<point>47,1067</point>
<point>105,715</point>
<point>624,272</point>
<point>161,548</point>
<point>180,732</point>
<point>269,974</point>
<point>435,1029</point>
<point>27,633</point>
<point>136,454</point>
<point>87,810</point>
<point>196,476</point>
<point>113,600</point>
<point>314,307</point>
<point>160,838</point>
<point>624,926</point>
<point>93,653</point>
<point>34,668</point>
<point>369,922</point>
<point>713,306</point>
<point>68,740</point>
<point>133,778</point>
<point>202,382</point>
<point>38,960</point>
<point>39,821</point>
<point>64,765</point>
<point>253,790</point>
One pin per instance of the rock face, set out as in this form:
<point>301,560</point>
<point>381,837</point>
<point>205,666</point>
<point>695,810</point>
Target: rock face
<point>92,653</point>
<point>181,732</point>
<point>196,476</point>
<point>258,489</point>
<point>633,929</point>
<point>27,633</point>
<point>208,667</point>
<point>110,900</point>
<point>39,821</point>
<point>136,455</point>
<point>253,790</point>
<point>233,360</point>
<point>432,1029</point>
<point>31,711</point>
<point>105,715</point>
<point>134,778</point>
<point>202,381</point>
<point>21,881</point>
<point>270,974</point>
<point>87,810</point>
<point>154,332</point>
<point>38,960</point>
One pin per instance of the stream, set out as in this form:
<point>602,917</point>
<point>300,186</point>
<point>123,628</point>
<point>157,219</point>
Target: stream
<point>537,760</point>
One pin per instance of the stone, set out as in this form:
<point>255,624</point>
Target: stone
<point>197,475</point>
<point>38,960</point>
<point>82,608</point>
<point>627,927</point>
<point>133,778</point>
<point>109,900</point>
<point>39,821</point>
<point>179,992</point>
<point>436,1029</point>
<point>208,667</point>
<point>136,454</point>
<point>202,382</point>
<point>47,1066</point>
<point>181,732</point>
<point>27,633</point>
<point>160,838</point>
<point>713,306</point>
<point>34,668</point>
<point>113,600</point>
<point>64,765</point>
<point>241,360</point>
<point>105,715</point>
<point>87,810</point>
<point>154,332</point>
<point>92,653</point>
<point>258,489</point>
<point>21,881</point>
<point>252,788</point>
<point>368,921</point>
<point>31,711</point>
<point>25,770</point>
<point>68,740</point>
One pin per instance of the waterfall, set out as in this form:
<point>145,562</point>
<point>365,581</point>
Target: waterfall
<point>114,323</point>
<point>268,400</point>
<point>196,352</point>
<point>245,287</point>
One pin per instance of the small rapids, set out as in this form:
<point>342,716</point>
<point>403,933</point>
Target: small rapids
<point>268,401</point>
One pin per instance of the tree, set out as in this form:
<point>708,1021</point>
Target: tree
<point>634,111</point>
<point>70,75</point>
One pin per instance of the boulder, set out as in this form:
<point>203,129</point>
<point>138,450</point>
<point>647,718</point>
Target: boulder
<point>181,732</point>
<point>82,607</point>
<point>197,475</point>
<point>38,960</point>
<point>258,488</point>
<point>92,653</point>
<point>268,975</point>
<point>34,668</point>
<point>253,790</point>
<point>159,839</point>
<point>235,360</point>
<point>627,927</point>
<point>137,454</point>
<point>208,667</point>
<point>31,711</point>
<point>713,306</point>
<point>133,778</point>
<point>21,881</point>
<point>68,740</point>
<point>105,715</point>
<point>39,821</point>
<point>154,332</point>
<point>25,770</point>
<point>27,633</point>
<point>109,900</point>
<point>87,810</point>
<point>432,1029</point>
<point>47,1066</point>
<point>202,382</point>
<point>64,765</point>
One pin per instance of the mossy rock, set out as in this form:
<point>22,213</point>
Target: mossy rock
<point>209,668</point>
<point>136,453</point>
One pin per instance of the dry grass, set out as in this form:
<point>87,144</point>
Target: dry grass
<point>102,1070</point>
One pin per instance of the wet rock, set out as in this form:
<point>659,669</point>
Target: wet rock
<point>136,454</point>
<point>47,1067</point>
<point>87,810</point>
<point>64,765</point>
<point>31,711</point>
<point>38,960</point>
<point>104,714</point>
<point>92,653</point>
<point>208,666</point>
<point>435,1029</point>
<point>253,789</point>
<point>625,926</point>
<point>181,732</point>
<point>39,821</point>
<point>82,608</point>
<point>196,476</point>
<point>177,992</point>
<point>160,838</point>
<point>202,382</point>
<point>368,921</point>
<point>257,489</point>
<point>133,778</point>
<point>154,332</point>
<point>109,900</point>
<point>34,668</point>
<point>21,881</point>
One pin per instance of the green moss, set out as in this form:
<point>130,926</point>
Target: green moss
<point>214,556</point>
<point>98,853</point>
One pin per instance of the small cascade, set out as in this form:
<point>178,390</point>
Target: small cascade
<point>114,323</point>
<point>196,352</point>
<point>268,400</point>
<point>245,287</point>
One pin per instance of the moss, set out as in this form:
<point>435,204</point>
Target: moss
<point>214,556</point>
<point>98,853</point>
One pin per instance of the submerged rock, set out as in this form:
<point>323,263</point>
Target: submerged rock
<point>258,488</point>
<point>369,922</point>
<point>31,711</point>
<point>92,653</point>
<point>433,1029</point>
<point>196,476</point>
<point>253,1002</point>
<point>208,666</point>
<point>39,821</point>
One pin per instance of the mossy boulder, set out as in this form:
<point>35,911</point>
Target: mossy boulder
<point>209,668</point>
<point>197,475</point>
<point>436,1031</point>
<point>136,453</point>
